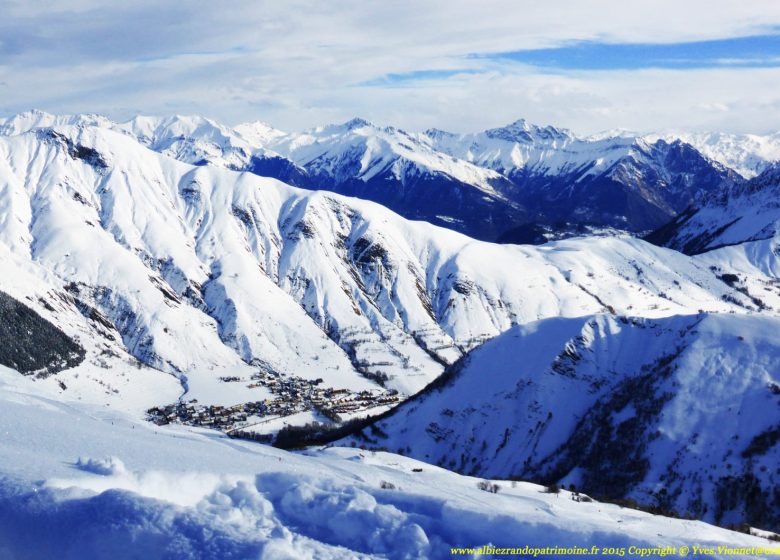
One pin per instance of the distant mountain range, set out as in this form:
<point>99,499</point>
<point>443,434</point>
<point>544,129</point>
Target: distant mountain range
<point>521,183</point>
<point>746,212</point>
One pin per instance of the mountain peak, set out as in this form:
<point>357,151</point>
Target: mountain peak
<point>523,131</point>
<point>356,122</point>
<point>258,132</point>
<point>35,118</point>
<point>436,133</point>
<point>769,178</point>
<point>33,113</point>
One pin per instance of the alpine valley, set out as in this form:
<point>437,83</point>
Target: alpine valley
<point>520,303</point>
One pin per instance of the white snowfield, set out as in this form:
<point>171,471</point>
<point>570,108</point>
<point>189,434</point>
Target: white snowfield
<point>81,483</point>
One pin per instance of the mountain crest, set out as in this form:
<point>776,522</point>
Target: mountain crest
<point>523,131</point>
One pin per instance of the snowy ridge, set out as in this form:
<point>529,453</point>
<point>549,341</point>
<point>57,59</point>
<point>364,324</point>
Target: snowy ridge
<point>522,145</point>
<point>679,413</point>
<point>199,268</point>
<point>747,154</point>
<point>30,120</point>
<point>484,184</point>
<point>749,212</point>
<point>620,181</point>
<point>396,169</point>
<point>323,151</point>
<point>194,140</point>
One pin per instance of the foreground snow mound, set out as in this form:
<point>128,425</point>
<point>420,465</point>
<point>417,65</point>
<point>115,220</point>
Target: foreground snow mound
<point>173,494</point>
<point>679,413</point>
<point>106,466</point>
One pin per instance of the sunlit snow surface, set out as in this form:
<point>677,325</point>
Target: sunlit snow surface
<point>667,409</point>
<point>197,270</point>
<point>82,483</point>
<point>747,154</point>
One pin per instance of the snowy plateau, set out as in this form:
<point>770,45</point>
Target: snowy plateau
<point>169,284</point>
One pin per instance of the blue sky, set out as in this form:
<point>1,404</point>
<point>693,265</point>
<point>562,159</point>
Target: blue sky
<point>390,80</point>
<point>758,51</point>
<point>457,64</point>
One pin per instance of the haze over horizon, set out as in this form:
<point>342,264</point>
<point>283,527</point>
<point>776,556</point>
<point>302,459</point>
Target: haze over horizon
<point>416,65</point>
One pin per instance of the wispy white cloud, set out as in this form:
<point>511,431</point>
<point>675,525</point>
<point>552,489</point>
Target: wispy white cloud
<point>301,62</point>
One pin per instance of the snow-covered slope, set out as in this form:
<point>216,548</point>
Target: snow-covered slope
<point>611,180</point>
<point>749,212</point>
<point>392,167</point>
<point>747,154</point>
<point>679,413</point>
<point>31,344</point>
<point>106,372</point>
<point>194,268</point>
<point>81,483</point>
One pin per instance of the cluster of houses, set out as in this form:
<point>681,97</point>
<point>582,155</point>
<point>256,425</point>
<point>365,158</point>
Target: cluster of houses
<point>291,396</point>
<point>194,414</point>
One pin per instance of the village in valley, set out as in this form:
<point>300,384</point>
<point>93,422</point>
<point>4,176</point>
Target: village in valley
<point>292,395</point>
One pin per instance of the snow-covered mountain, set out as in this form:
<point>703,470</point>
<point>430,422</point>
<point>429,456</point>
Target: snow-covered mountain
<point>504,184</point>
<point>616,181</point>
<point>195,267</point>
<point>192,139</point>
<point>679,413</point>
<point>396,169</point>
<point>491,184</point>
<point>747,154</point>
<point>138,250</point>
<point>749,212</point>
<point>30,120</point>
